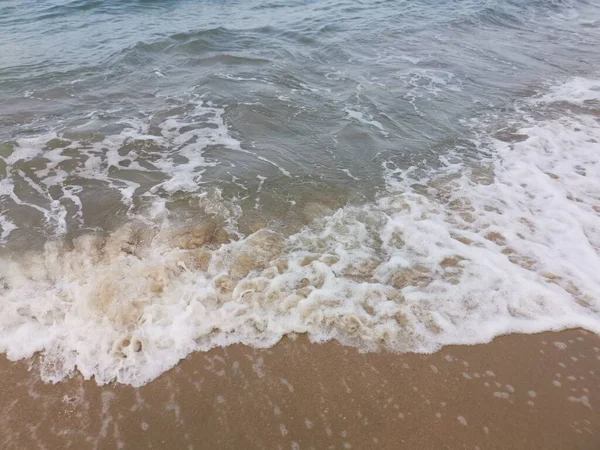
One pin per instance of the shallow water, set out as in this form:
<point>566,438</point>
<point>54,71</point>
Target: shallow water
<point>390,174</point>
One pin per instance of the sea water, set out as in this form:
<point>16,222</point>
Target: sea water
<point>398,175</point>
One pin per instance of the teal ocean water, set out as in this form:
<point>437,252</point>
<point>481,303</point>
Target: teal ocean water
<point>393,174</point>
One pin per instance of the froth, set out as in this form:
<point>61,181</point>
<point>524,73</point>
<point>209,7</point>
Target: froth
<point>578,91</point>
<point>458,256</point>
<point>145,160</point>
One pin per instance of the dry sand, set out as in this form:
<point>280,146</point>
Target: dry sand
<point>518,392</point>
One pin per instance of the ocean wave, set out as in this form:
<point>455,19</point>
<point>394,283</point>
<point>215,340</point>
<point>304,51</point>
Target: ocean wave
<point>456,255</point>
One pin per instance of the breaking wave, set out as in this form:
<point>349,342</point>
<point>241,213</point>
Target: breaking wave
<point>458,255</point>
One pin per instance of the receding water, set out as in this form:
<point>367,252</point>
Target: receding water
<point>392,174</point>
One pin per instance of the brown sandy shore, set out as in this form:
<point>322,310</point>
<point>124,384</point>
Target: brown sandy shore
<point>518,392</point>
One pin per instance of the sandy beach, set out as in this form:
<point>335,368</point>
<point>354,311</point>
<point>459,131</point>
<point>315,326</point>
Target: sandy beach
<point>519,392</point>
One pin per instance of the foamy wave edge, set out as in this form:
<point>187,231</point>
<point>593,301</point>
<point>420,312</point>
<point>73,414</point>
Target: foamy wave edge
<point>462,256</point>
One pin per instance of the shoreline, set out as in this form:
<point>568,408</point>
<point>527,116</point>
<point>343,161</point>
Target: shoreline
<point>519,391</point>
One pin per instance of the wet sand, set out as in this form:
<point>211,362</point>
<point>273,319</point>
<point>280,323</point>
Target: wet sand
<point>520,392</point>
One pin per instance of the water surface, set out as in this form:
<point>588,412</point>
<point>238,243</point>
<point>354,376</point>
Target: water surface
<point>391,174</point>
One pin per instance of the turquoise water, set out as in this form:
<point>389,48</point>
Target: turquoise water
<point>178,175</point>
<point>311,89</point>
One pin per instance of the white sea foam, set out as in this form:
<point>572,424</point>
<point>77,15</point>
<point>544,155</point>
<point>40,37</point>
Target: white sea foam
<point>366,119</point>
<point>6,227</point>
<point>424,83</point>
<point>347,172</point>
<point>577,91</point>
<point>466,254</point>
<point>49,163</point>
